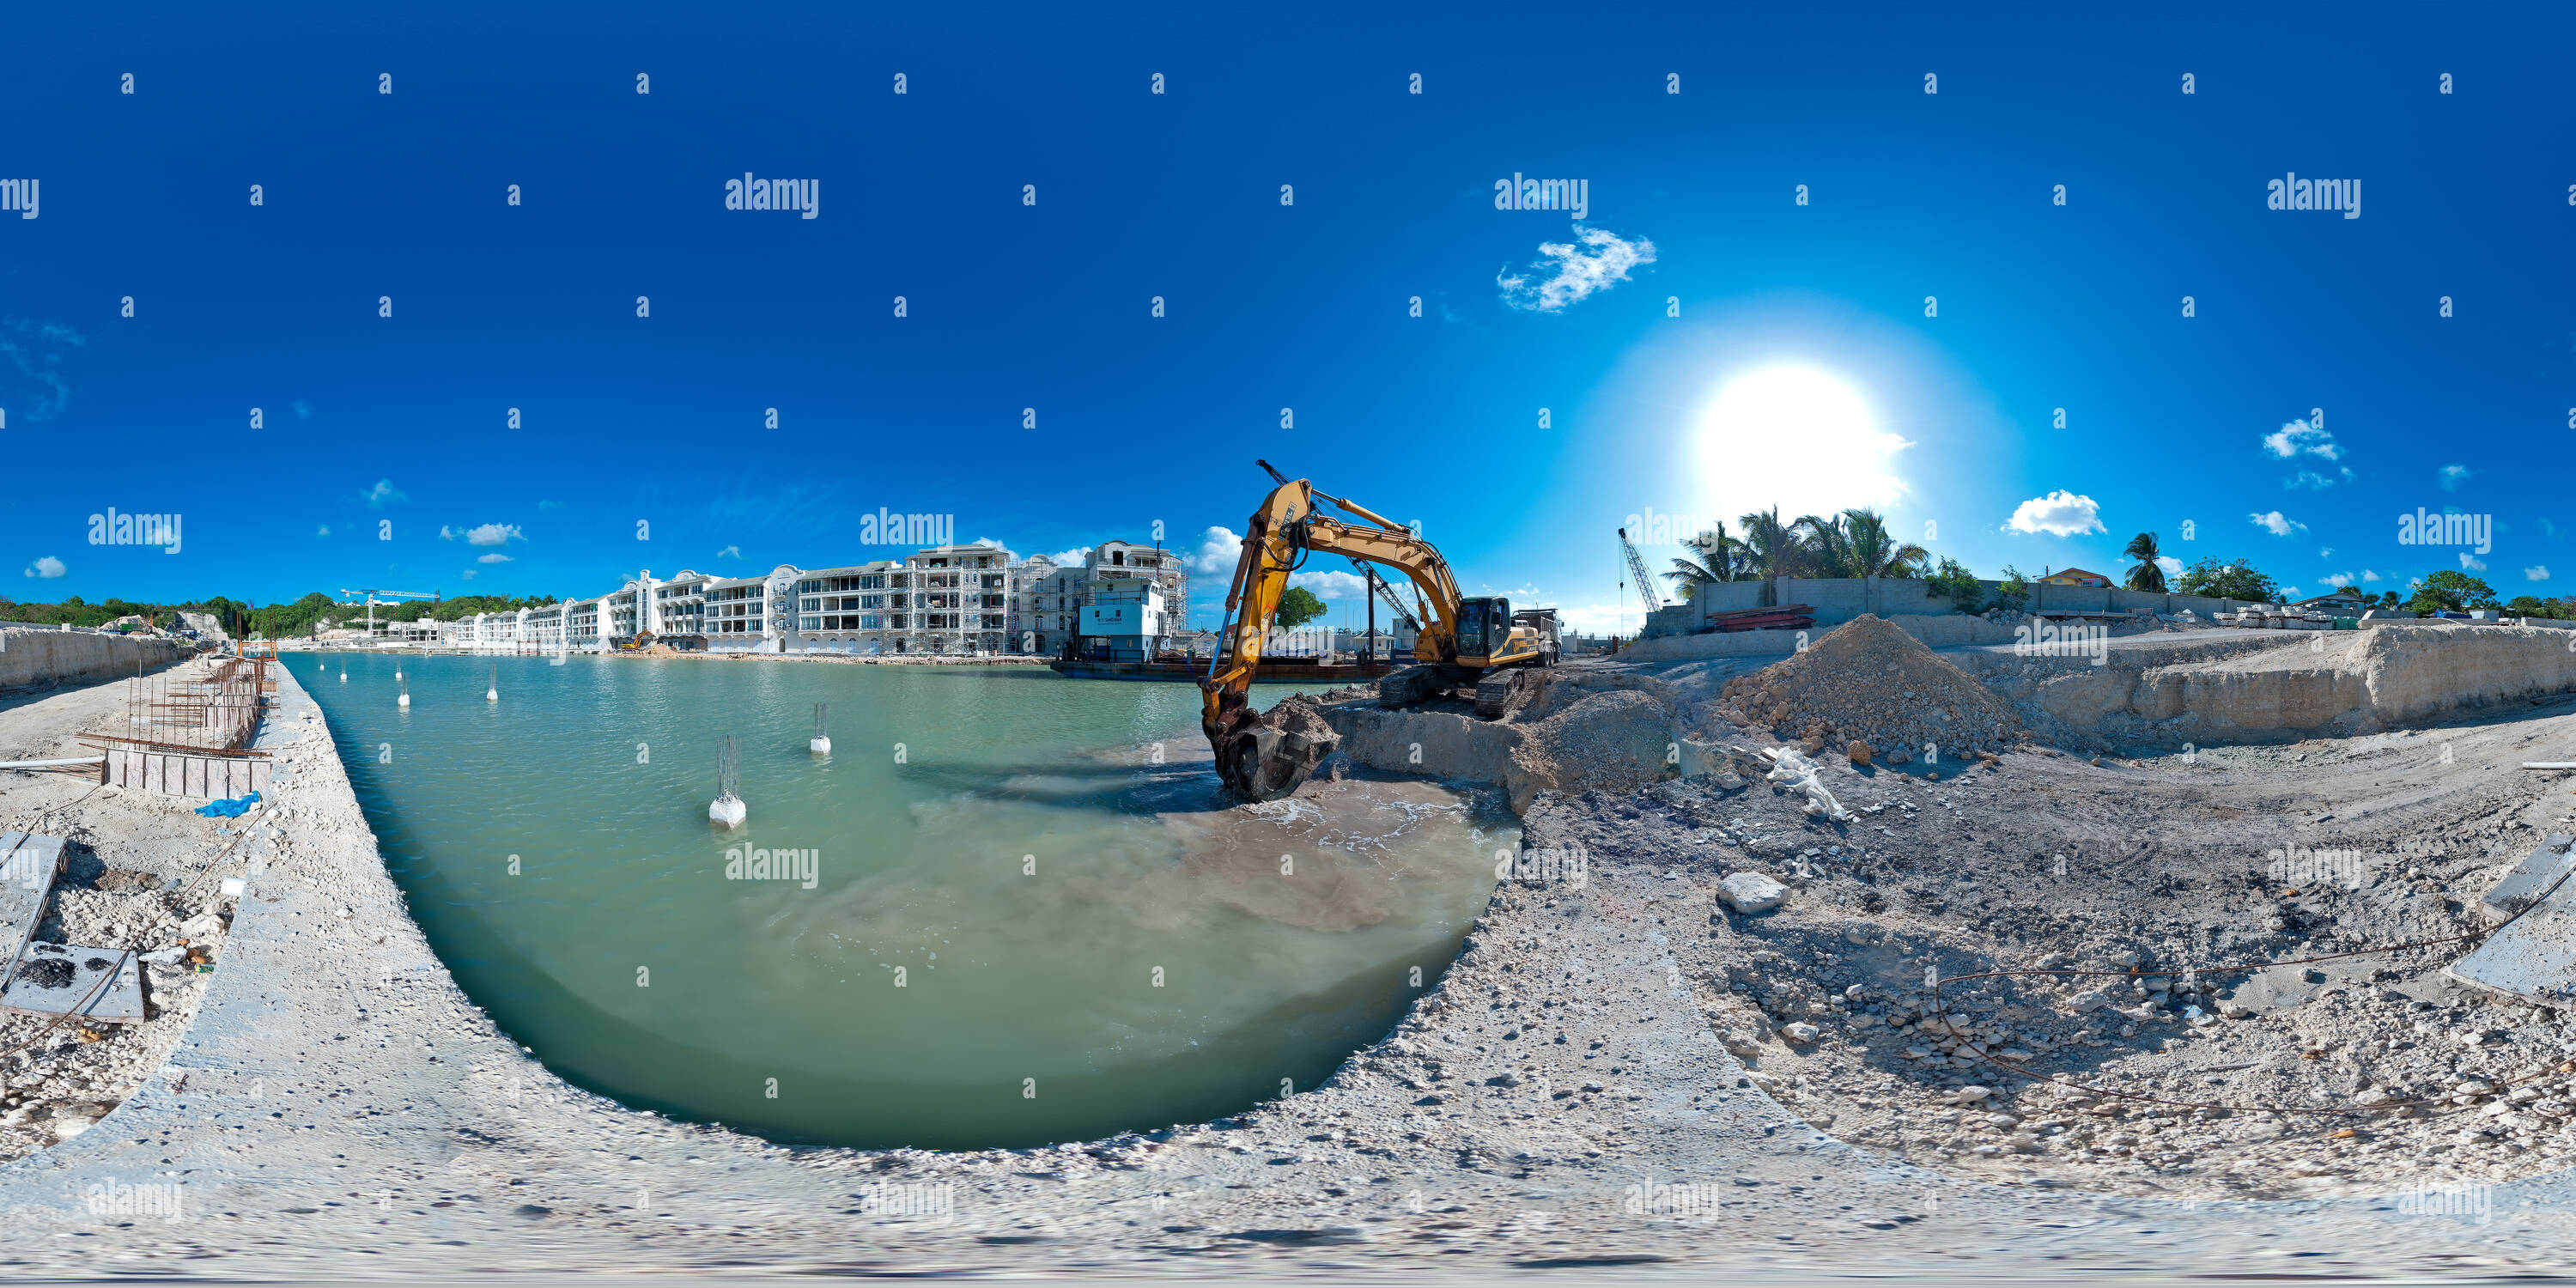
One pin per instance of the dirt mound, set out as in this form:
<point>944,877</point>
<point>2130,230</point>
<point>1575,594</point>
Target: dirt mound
<point>1869,681</point>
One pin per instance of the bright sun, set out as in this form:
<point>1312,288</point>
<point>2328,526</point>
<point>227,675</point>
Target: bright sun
<point>1797,438</point>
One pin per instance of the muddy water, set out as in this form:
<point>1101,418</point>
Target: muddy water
<point>1029,914</point>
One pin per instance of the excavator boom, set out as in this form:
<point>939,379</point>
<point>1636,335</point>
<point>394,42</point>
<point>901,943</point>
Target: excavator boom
<point>1256,754</point>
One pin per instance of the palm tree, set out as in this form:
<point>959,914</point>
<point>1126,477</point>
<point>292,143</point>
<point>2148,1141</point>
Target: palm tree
<point>1688,576</point>
<point>1770,547</point>
<point>2149,575</point>
<point>1721,558</point>
<point>1874,552</point>
<point>1824,545</point>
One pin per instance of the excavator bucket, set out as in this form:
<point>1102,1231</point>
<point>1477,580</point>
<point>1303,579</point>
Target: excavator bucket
<point>1268,755</point>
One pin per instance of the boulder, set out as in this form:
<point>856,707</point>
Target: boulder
<point>1751,892</point>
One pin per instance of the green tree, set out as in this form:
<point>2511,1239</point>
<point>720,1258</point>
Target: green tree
<point>2148,576</point>
<point>2451,589</point>
<point>1856,543</point>
<point>1771,547</point>
<point>2013,590</point>
<point>1952,581</point>
<point>2228,579</point>
<point>1298,607</point>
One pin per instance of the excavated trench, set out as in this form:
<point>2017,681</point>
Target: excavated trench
<point>2217,1017</point>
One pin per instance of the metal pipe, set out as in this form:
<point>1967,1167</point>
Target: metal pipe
<point>48,764</point>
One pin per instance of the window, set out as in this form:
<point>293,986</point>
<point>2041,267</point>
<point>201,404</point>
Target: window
<point>813,623</point>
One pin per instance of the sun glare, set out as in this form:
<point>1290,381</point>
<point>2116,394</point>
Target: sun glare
<point>1797,438</point>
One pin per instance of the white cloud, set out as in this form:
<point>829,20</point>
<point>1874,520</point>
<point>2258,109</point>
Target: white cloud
<point>2453,476</point>
<point>383,491</point>
<point>1577,271</point>
<point>322,530</point>
<point>2327,553</point>
<point>494,534</point>
<point>985,541</point>
<point>1070,558</point>
<point>2289,594</point>
<point>1218,550</point>
<point>2368,575</point>
<point>2060,514</point>
<point>493,558</point>
<point>1330,585</point>
<point>469,574</point>
<point>543,506</point>
<point>2339,579</point>
<point>2471,563</point>
<point>446,533</point>
<point>48,568</point>
<point>2536,572</point>
<point>2171,565</point>
<point>2278,524</point>
<point>2549,528</point>
<point>730,552</point>
<point>2299,438</point>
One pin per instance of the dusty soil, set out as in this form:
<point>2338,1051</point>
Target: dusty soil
<point>1564,1097</point>
<point>1870,683</point>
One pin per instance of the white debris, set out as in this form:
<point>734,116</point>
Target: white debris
<point>1790,767</point>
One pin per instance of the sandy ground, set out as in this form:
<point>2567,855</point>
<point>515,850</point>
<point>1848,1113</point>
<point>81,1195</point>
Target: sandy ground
<point>1566,1099</point>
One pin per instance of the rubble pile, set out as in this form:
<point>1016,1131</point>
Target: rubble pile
<point>1870,682</point>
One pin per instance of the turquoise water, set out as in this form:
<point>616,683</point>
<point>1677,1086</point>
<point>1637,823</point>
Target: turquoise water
<point>1002,871</point>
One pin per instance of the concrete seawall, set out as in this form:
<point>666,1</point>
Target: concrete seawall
<point>79,657</point>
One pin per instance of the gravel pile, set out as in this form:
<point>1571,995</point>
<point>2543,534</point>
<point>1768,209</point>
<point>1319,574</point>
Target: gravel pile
<point>1870,682</point>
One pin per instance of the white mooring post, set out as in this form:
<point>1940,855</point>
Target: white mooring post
<point>728,808</point>
<point>821,745</point>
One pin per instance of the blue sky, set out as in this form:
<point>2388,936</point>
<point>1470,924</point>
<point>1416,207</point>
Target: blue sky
<point>1949,421</point>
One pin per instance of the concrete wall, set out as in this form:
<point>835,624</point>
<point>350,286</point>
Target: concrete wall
<point>1945,631</point>
<point>33,657</point>
<point>1840,599</point>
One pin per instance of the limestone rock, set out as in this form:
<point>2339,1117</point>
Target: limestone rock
<point>1751,892</point>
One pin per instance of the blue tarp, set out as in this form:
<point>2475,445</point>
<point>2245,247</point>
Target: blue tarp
<point>234,808</point>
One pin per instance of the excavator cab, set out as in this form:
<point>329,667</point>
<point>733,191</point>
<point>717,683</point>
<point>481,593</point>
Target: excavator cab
<point>1484,628</point>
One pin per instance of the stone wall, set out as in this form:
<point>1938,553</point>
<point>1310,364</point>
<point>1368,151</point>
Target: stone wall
<point>1840,599</point>
<point>38,657</point>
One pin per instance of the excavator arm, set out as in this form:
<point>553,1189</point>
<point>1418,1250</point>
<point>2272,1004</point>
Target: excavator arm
<point>1257,757</point>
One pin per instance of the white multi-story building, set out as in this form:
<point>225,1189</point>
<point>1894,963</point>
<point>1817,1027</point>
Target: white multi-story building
<point>946,599</point>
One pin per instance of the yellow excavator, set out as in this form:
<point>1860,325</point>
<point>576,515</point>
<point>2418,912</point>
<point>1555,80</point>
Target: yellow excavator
<point>1464,642</point>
